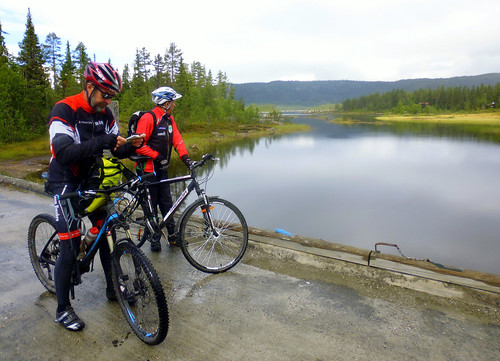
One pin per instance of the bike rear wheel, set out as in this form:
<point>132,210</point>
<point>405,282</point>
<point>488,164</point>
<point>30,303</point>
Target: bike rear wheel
<point>140,293</point>
<point>142,233</point>
<point>142,236</point>
<point>147,237</point>
<point>44,248</point>
<point>213,250</point>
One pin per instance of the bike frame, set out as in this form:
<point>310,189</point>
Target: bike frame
<point>104,233</point>
<point>105,229</point>
<point>111,221</point>
<point>193,185</point>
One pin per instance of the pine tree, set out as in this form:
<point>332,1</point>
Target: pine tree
<point>222,85</point>
<point>12,124</point>
<point>12,121</point>
<point>199,73</point>
<point>81,59</point>
<point>68,70</point>
<point>138,96</point>
<point>142,66</point>
<point>159,71</point>
<point>184,86</point>
<point>126,78</point>
<point>173,60</point>
<point>4,54</point>
<point>52,56</point>
<point>30,59</point>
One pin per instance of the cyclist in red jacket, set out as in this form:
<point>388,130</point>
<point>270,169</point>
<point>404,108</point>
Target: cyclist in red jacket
<point>159,141</point>
<point>80,128</point>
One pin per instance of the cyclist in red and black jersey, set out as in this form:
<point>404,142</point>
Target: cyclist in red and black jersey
<point>80,128</point>
<point>159,141</point>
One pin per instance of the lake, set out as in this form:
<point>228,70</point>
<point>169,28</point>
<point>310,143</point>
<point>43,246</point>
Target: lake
<point>434,193</point>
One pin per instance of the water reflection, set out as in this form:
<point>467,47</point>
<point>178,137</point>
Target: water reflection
<point>435,195</point>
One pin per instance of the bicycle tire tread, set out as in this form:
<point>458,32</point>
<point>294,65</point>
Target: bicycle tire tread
<point>127,246</point>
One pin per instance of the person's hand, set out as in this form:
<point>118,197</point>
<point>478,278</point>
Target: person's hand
<point>188,162</point>
<point>136,142</point>
<point>108,141</point>
<point>119,142</point>
<point>139,142</point>
<point>161,162</point>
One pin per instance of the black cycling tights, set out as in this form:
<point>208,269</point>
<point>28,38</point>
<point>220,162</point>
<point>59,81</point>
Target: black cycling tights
<point>67,258</point>
<point>161,196</point>
<point>64,269</point>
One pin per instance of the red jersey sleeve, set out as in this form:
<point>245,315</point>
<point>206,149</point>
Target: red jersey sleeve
<point>179,145</point>
<point>145,125</point>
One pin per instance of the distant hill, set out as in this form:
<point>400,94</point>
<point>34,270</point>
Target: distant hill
<point>313,93</point>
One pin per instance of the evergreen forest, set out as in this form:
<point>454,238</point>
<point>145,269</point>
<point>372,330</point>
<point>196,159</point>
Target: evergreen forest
<point>44,73</point>
<point>318,93</point>
<point>454,99</point>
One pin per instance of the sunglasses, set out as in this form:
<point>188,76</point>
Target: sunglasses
<point>106,95</point>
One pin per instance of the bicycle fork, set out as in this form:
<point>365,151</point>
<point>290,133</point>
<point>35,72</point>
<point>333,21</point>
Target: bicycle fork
<point>109,238</point>
<point>205,209</point>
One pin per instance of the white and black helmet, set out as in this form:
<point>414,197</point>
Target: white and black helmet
<point>164,94</point>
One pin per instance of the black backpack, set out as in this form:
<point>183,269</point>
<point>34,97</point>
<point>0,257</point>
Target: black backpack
<point>134,119</point>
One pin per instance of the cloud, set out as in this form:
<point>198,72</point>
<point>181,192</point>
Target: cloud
<point>283,39</point>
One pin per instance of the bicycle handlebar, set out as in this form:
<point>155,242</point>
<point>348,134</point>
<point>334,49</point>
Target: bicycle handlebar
<point>204,159</point>
<point>95,192</point>
<point>139,179</point>
<point>142,178</point>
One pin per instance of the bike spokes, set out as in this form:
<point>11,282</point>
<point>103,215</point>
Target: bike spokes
<point>214,240</point>
<point>140,294</point>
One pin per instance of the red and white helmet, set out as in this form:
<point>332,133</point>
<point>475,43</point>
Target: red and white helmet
<point>104,76</point>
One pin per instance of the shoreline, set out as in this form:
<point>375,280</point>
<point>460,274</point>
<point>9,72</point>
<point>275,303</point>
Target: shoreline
<point>483,125</point>
<point>206,137</point>
<point>469,118</point>
<point>33,156</point>
<point>480,118</point>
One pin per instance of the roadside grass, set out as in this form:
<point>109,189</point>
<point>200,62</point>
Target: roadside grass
<point>36,147</point>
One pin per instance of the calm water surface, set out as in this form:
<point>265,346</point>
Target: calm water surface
<point>437,197</point>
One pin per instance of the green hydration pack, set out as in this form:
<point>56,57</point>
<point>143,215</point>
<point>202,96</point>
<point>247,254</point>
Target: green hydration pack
<point>110,172</point>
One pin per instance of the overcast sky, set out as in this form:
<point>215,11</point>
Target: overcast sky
<point>266,40</point>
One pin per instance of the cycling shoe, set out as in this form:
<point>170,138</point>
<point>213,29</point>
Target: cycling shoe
<point>69,319</point>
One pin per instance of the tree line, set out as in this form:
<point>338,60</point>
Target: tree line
<point>314,94</point>
<point>454,99</point>
<point>42,74</point>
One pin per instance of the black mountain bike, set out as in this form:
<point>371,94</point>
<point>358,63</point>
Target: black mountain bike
<point>212,231</point>
<point>137,285</point>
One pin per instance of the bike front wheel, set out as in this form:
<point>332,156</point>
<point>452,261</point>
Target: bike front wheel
<point>44,248</point>
<point>140,293</point>
<point>214,238</point>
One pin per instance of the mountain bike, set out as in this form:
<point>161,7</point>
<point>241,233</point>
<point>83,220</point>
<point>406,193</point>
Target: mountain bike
<point>212,231</point>
<point>137,285</point>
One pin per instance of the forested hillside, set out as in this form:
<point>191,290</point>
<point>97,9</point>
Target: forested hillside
<point>442,99</point>
<point>42,74</point>
<point>314,93</point>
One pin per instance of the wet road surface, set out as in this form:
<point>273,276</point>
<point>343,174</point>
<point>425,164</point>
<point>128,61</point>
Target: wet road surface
<point>269,307</point>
